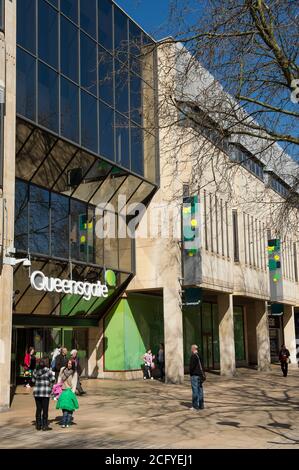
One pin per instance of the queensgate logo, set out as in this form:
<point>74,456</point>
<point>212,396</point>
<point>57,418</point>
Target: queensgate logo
<point>40,282</point>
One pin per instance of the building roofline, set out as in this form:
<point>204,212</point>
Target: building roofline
<point>133,21</point>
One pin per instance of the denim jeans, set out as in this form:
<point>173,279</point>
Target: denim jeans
<point>67,417</point>
<point>197,392</point>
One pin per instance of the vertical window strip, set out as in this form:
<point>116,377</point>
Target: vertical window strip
<point>295,262</point>
<point>206,220</point>
<point>211,224</point>
<point>222,227</point>
<point>227,237</point>
<point>249,240</point>
<point>217,225</point>
<point>257,244</point>
<point>235,235</point>
<point>245,241</point>
<point>261,245</point>
<point>252,242</point>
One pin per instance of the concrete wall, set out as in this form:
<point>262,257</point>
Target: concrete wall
<point>8,79</point>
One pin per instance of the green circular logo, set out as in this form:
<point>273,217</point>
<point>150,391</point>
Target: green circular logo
<point>110,278</point>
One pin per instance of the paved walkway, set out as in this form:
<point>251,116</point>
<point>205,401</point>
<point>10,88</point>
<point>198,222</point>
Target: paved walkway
<point>252,410</point>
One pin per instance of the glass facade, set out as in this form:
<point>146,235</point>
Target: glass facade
<point>239,334</point>
<point>85,71</point>
<point>2,14</point>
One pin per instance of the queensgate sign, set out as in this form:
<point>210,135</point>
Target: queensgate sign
<point>66,286</point>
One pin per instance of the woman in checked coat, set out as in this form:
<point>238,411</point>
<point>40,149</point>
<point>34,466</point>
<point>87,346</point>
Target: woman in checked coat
<point>43,379</point>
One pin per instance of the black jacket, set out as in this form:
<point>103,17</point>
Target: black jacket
<point>284,354</point>
<point>60,361</point>
<point>194,366</point>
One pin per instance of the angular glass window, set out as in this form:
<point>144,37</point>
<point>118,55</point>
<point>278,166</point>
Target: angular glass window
<point>121,88</point>
<point>48,34</point>
<point>69,49</point>
<point>105,24</point>
<point>26,36</point>
<point>137,149</point>
<point>135,47</point>
<point>70,9</point>
<point>59,226</point>
<point>120,35</point>
<point>69,110</point>
<point>89,126</point>
<point>26,85</point>
<point>88,64</point>
<point>88,15</point>
<point>105,76</point>
<point>136,98</point>
<point>78,234</point>
<point>21,215</point>
<point>39,212</point>
<point>122,140</point>
<point>47,97</point>
<point>106,132</point>
<point>54,3</point>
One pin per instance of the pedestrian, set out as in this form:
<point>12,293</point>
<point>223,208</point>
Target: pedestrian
<point>197,376</point>
<point>161,361</point>
<point>29,365</point>
<point>148,364</point>
<point>60,361</point>
<point>54,355</point>
<point>43,379</point>
<point>77,367</point>
<point>284,355</point>
<point>67,401</point>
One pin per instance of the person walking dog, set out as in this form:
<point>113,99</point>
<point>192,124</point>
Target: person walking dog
<point>43,379</point>
<point>197,377</point>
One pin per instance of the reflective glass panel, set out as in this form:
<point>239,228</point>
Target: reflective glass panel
<point>136,149</point>
<point>120,35</point>
<point>48,34</point>
<point>136,98</point>
<point>26,36</point>
<point>69,49</point>
<point>88,53</point>
<point>39,220</point>
<point>121,88</point>
<point>122,140</point>
<point>70,9</point>
<point>69,110</point>
<point>105,23</point>
<point>78,235</point>
<point>88,16</point>
<point>47,97</point>
<point>26,85</point>
<point>21,215</point>
<point>105,76</point>
<point>106,131</point>
<point>89,127</point>
<point>59,225</point>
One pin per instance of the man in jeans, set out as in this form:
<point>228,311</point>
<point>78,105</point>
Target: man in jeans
<point>197,376</point>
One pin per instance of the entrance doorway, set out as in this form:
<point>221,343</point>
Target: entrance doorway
<point>44,341</point>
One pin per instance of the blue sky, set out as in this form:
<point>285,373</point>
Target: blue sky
<point>151,15</point>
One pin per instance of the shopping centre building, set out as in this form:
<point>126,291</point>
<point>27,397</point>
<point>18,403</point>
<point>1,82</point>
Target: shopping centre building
<point>82,145</point>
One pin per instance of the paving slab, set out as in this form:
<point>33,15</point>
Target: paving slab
<point>252,410</point>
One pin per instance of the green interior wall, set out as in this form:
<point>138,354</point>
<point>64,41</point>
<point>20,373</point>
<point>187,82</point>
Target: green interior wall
<point>72,305</point>
<point>133,325</point>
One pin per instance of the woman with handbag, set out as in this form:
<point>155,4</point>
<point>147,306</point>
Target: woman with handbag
<point>197,376</point>
<point>284,358</point>
<point>29,365</point>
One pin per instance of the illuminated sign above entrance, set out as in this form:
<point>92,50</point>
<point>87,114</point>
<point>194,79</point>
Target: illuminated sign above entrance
<point>66,286</point>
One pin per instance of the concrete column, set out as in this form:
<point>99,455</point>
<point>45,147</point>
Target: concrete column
<point>289,331</point>
<point>173,335</point>
<point>95,350</point>
<point>226,335</point>
<point>8,80</point>
<point>262,335</point>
